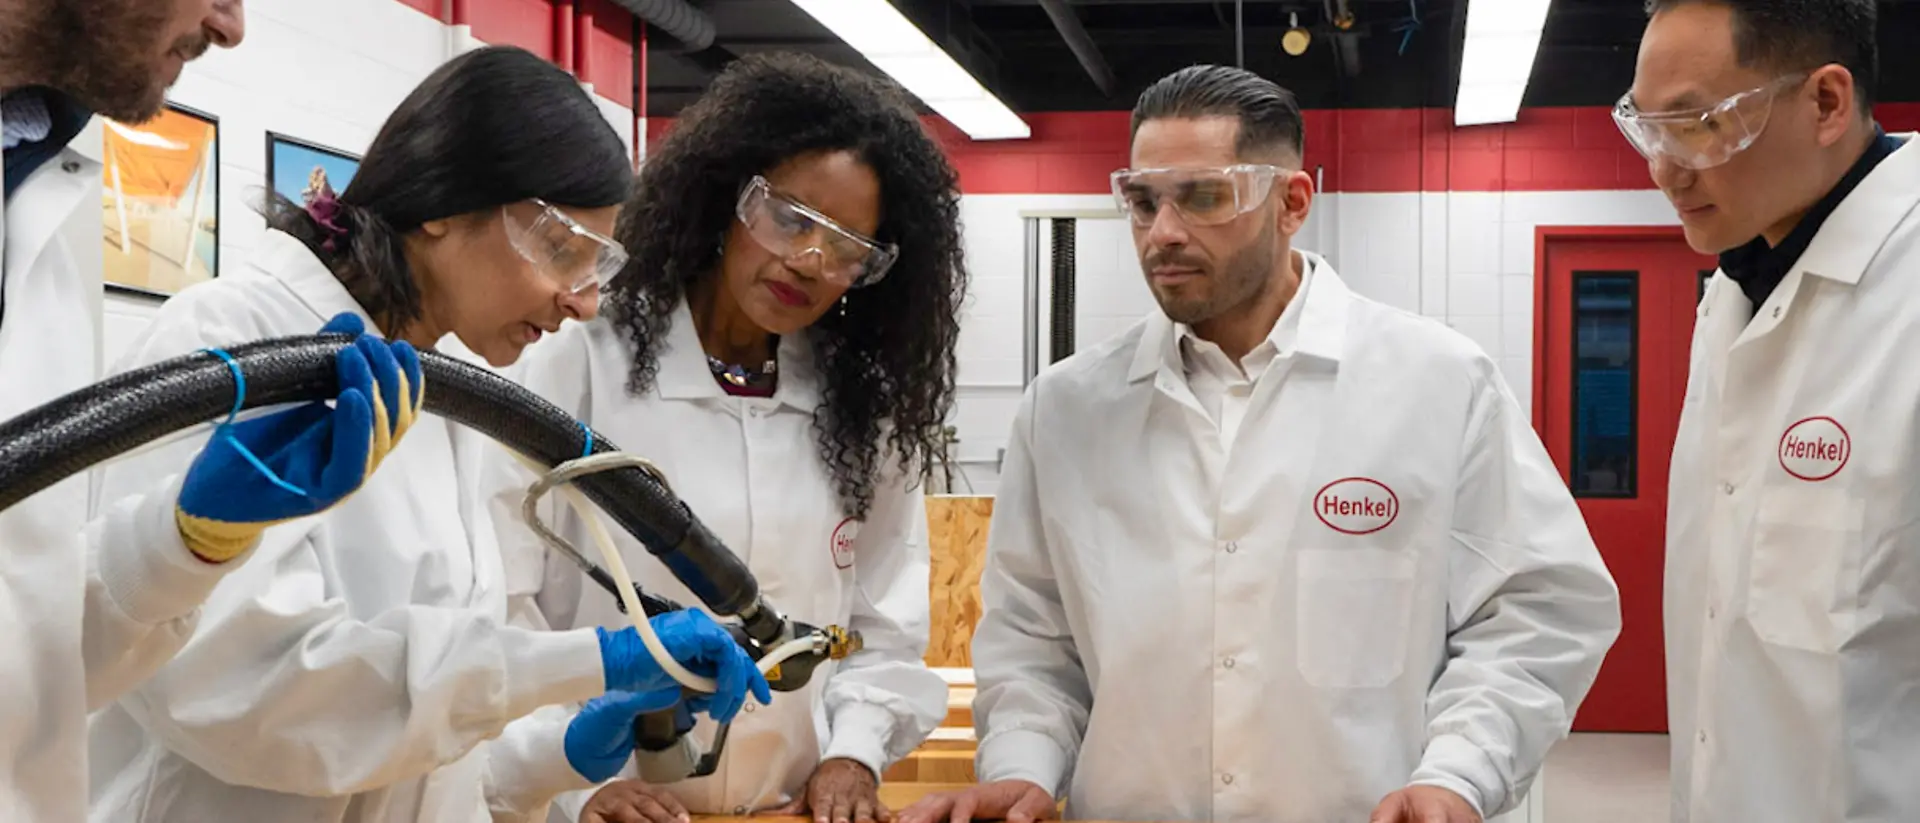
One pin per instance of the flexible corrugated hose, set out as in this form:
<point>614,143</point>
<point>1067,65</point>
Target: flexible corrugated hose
<point>92,425</point>
<point>1064,275</point>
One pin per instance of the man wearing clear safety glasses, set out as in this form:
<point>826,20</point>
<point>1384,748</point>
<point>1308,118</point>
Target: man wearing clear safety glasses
<point>1791,589</point>
<point>1278,553</point>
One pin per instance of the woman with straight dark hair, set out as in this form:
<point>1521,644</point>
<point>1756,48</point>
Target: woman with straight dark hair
<point>366,655</point>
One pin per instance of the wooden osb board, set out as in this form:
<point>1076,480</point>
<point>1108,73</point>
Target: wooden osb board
<point>957,540</point>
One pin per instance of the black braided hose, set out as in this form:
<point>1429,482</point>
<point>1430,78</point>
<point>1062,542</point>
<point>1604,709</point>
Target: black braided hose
<point>92,425</point>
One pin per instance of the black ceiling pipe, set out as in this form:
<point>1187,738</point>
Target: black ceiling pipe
<point>1081,43</point>
<point>676,19</point>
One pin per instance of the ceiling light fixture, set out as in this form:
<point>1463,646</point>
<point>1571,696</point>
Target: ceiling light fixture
<point>1296,40</point>
<point>893,44</point>
<point>1503,37</point>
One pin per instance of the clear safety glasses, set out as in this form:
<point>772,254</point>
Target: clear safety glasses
<point>1705,137</point>
<point>577,257</point>
<point>1203,197</point>
<point>790,229</point>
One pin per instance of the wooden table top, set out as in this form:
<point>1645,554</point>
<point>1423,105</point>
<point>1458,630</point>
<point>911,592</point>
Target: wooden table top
<point>897,796</point>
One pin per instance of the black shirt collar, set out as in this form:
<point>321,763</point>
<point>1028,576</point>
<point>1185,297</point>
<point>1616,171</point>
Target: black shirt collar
<point>1759,268</point>
<point>69,119</point>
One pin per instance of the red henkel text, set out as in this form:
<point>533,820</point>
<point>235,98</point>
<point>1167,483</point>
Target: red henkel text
<point>1815,449</point>
<point>1332,506</point>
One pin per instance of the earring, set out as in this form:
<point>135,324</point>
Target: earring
<point>843,305</point>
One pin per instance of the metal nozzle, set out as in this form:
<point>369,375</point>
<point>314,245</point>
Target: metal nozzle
<point>841,642</point>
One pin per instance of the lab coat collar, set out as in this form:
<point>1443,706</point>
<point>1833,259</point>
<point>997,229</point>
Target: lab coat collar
<point>1854,234</point>
<point>685,375</point>
<point>1323,301</point>
<point>283,257</point>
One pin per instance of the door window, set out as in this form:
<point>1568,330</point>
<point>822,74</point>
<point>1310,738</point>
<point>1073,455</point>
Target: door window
<point>1606,322</point>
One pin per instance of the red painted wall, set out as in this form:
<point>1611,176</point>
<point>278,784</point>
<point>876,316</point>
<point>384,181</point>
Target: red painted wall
<point>524,23</point>
<point>609,48</point>
<point>1360,150</point>
<point>592,38</point>
<point>430,8</point>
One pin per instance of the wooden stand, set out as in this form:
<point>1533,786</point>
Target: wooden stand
<point>957,540</point>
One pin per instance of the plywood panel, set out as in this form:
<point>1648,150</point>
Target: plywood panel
<point>957,540</point>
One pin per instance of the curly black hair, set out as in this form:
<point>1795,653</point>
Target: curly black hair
<point>888,358</point>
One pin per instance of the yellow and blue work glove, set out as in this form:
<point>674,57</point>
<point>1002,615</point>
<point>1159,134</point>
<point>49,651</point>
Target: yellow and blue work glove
<point>301,461</point>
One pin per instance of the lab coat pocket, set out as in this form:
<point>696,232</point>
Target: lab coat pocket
<point>1352,610</point>
<point>1803,536</point>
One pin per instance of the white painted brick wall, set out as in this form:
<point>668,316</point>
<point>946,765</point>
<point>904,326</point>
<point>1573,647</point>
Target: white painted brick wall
<point>326,72</point>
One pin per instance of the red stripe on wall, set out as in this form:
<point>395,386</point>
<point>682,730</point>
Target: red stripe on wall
<point>524,23</point>
<point>609,45</point>
<point>1358,150</point>
<point>430,8</point>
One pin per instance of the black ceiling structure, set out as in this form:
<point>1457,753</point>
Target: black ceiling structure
<point>1089,55</point>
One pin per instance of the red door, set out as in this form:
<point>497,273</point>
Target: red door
<point>1614,322</point>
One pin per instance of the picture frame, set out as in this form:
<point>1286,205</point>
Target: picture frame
<point>298,169</point>
<point>160,181</point>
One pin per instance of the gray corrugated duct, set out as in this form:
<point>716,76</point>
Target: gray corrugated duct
<point>676,18</point>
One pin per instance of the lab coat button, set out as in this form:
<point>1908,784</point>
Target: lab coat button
<point>1711,613</point>
<point>749,707</point>
<point>1726,488</point>
<point>1703,737</point>
<point>1776,311</point>
<point>70,167</point>
<point>1232,547</point>
<point>1227,662</point>
<point>1227,779</point>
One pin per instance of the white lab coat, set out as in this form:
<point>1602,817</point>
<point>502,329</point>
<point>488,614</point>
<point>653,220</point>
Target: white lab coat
<point>350,670</point>
<point>1384,581</point>
<point>1793,532</point>
<point>86,611</point>
<point>749,469</point>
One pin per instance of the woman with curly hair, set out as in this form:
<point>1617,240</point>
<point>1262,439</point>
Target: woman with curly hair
<point>782,346</point>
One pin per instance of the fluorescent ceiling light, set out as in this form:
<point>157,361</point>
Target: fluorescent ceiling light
<point>893,44</point>
<point>1503,37</point>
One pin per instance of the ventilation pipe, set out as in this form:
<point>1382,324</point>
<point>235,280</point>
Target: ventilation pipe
<point>1081,43</point>
<point>1346,43</point>
<point>677,19</point>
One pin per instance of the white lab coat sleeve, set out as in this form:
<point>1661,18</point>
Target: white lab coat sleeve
<point>883,700</point>
<point>144,591</point>
<point>1033,695</point>
<point>284,688</point>
<point>1531,611</point>
<point>527,767</point>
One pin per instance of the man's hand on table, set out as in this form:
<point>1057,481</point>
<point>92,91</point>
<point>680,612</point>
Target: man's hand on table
<point>1015,801</point>
<point>840,791</point>
<point>1424,804</point>
<point>631,801</point>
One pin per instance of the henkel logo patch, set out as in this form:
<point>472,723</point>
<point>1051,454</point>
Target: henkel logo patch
<point>843,537</point>
<point>1356,505</point>
<point>1815,449</point>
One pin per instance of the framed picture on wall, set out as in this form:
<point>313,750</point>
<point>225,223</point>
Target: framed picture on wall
<point>300,171</point>
<point>161,202</point>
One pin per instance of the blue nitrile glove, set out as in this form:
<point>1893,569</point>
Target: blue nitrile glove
<point>697,643</point>
<point>600,738</point>
<point>301,461</point>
